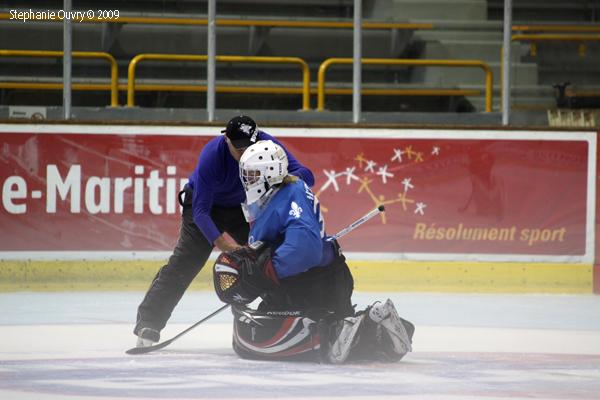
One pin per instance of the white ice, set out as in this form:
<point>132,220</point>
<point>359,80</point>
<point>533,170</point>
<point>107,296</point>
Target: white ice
<point>71,346</point>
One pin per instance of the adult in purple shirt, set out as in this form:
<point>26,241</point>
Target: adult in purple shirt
<point>211,204</point>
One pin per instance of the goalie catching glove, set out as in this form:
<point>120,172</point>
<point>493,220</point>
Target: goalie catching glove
<point>242,275</point>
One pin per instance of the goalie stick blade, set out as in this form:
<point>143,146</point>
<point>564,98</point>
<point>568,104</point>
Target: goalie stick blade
<point>148,349</point>
<point>144,350</point>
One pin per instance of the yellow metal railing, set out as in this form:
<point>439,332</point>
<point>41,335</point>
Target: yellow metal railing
<point>557,28</point>
<point>554,37</point>
<point>244,22</point>
<point>131,86</point>
<point>305,90</point>
<point>414,92</point>
<point>114,72</point>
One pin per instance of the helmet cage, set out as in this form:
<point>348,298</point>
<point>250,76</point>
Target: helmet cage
<point>262,165</point>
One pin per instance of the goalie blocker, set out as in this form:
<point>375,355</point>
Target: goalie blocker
<point>240,276</point>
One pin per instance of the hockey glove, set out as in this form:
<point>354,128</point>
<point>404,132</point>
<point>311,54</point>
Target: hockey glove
<point>242,275</point>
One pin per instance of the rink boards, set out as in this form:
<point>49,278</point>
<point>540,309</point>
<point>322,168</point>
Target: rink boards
<point>474,210</point>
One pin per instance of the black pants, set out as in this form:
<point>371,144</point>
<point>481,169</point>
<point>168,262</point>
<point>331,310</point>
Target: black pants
<point>188,258</point>
<point>317,292</point>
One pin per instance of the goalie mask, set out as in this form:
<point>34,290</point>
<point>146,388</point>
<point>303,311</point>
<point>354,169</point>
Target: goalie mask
<point>262,165</point>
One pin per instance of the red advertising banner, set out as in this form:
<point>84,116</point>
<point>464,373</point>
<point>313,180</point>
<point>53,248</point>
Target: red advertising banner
<point>448,194</point>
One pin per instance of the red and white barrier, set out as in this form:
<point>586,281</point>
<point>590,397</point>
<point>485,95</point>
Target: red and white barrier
<point>449,194</point>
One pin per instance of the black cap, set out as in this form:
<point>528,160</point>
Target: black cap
<point>241,131</point>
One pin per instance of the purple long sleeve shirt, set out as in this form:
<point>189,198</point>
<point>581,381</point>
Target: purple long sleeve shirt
<point>216,182</point>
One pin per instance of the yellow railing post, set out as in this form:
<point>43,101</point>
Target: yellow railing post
<point>114,71</point>
<point>321,82</point>
<point>392,61</point>
<point>241,59</point>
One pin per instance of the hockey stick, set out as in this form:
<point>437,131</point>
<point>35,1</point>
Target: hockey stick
<point>148,349</point>
<point>346,230</point>
<point>358,222</point>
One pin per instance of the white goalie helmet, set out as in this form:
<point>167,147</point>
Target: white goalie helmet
<point>262,165</point>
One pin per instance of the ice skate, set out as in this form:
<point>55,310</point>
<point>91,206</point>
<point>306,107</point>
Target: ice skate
<point>147,337</point>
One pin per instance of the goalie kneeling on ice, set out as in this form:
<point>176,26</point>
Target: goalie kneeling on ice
<point>377,333</point>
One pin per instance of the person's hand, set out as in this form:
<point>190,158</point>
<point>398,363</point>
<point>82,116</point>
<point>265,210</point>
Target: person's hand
<point>231,246</point>
<point>226,245</point>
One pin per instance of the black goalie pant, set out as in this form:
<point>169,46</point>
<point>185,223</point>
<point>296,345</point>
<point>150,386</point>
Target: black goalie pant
<point>319,290</point>
<point>188,258</point>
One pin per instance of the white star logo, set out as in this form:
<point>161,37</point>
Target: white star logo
<point>350,175</point>
<point>383,172</point>
<point>407,184</point>
<point>420,209</point>
<point>370,165</point>
<point>331,180</point>
<point>397,155</point>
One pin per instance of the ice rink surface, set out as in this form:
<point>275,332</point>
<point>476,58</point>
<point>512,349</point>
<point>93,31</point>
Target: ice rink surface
<point>71,346</point>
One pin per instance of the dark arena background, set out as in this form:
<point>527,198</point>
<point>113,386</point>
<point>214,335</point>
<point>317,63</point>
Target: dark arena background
<point>474,122</point>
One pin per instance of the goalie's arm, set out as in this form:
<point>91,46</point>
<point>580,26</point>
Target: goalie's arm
<point>302,245</point>
<point>301,250</point>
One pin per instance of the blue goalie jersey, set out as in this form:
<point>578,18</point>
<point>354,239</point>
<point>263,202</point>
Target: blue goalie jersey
<point>293,227</point>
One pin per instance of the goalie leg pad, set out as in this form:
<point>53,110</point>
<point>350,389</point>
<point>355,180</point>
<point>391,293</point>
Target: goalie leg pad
<point>377,333</point>
<point>399,331</point>
<point>274,335</point>
<point>344,339</point>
